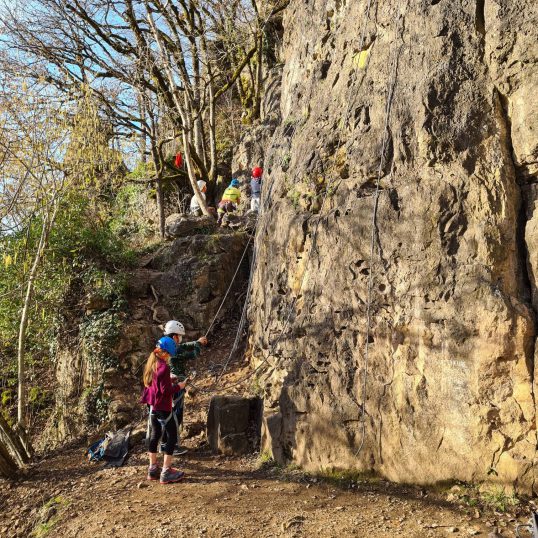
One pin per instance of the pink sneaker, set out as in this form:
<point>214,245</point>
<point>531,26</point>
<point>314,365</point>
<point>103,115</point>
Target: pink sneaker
<point>154,472</point>
<point>171,475</point>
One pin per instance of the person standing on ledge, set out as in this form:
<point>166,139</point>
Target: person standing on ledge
<point>256,188</point>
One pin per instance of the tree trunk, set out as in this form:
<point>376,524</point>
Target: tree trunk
<point>259,79</point>
<point>192,176</point>
<point>143,137</point>
<point>11,441</point>
<point>212,136</point>
<point>159,198</point>
<point>160,205</point>
<point>21,404</point>
<point>8,467</point>
<point>184,111</point>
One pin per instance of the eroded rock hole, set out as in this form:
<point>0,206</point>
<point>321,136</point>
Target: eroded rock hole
<point>480,19</point>
<point>324,69</point>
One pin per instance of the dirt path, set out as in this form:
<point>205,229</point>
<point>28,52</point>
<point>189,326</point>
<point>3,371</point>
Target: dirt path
<point>63,496</point>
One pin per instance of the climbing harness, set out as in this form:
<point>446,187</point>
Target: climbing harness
<point>163,422</point>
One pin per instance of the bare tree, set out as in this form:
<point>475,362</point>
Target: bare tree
<point>181,51</point>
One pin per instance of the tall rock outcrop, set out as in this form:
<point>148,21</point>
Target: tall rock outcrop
<point>101,356</point>
<point>436,100</point>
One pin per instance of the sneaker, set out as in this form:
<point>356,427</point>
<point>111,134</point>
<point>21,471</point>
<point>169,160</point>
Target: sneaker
<point>171,475</point>
<point>180,450</point>
<point>154,472</point>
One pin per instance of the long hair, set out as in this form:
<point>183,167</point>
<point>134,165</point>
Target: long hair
<point>151,365</point>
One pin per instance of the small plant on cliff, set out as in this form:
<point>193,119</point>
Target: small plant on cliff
<point>256,387</point>
<point>493,497</point>
<point>265,460</point>
<point>498,499</point>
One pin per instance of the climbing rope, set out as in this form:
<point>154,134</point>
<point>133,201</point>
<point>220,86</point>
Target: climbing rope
<point>388,107</point>
<point>393,70</point>
<point>230,286</point>
<point>327,191</point>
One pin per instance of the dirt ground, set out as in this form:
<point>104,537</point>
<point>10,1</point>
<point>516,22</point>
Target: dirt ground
<point>63,495</point>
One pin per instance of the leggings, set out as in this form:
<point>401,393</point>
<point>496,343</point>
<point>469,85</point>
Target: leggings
<point>157,430</point>
<point>177,410</point>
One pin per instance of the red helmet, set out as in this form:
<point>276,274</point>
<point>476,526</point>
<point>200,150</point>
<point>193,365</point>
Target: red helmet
<point>257,172</point>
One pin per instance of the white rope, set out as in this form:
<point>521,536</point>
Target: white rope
<point>229,287</point>
<point>314,236</point>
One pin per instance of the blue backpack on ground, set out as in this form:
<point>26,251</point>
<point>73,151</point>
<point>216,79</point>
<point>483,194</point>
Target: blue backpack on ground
<point>97,450</point>
<point>113,449</point>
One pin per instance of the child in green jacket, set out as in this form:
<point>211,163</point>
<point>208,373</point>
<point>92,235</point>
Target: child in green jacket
<point>178,369</point>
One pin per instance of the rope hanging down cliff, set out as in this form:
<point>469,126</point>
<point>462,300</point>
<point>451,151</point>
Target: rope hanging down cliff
<point>390,92</point>
<point>327,191</point>
<point>393,73</point>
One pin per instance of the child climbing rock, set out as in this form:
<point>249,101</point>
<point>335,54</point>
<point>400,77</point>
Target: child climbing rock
<point>229,201</point>
<point>158,394</point>
<point>184,352</point>
<point>255,188</point>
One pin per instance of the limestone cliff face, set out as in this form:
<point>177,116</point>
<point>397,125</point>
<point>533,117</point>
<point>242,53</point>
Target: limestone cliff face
<point>438,98</point>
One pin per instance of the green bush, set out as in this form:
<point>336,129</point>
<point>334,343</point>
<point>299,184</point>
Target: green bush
<point>83,253</point>
<point>39,398</point>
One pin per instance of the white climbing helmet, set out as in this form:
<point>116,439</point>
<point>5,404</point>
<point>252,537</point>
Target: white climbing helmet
<point>201,184</point>
<point>174,327</point>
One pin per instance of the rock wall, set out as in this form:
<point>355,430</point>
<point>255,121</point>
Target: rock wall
<point>436,98</point>
<point>185,279</point>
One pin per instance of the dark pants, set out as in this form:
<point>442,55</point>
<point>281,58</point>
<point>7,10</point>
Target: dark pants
<point>225,207</point>
<point>163,423</point>
<point>177,410</point>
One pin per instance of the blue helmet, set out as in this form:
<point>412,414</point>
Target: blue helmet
<point>235,182</point>
<point>167,344</point>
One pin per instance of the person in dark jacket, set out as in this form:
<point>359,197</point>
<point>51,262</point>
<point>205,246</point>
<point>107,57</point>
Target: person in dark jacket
<point>178,367</point>
<point>158,394</point>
